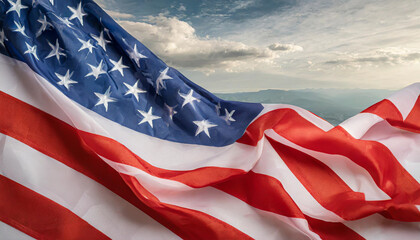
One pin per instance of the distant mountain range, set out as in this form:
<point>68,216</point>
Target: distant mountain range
<point>334,105</point>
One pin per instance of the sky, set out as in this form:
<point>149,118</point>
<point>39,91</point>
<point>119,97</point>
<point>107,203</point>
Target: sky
<point>250,45</point>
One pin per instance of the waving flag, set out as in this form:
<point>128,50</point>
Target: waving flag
<point>100,139</point>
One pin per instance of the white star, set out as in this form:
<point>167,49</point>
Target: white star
<point>66,79</point>
<point>85,45</point>
<point>77,13</point>
<point>31,50</point>
<point>96,71</point>
<point>148,117</point>
<point>101,40</point>
<point>171,111</point>
<point>20,29</point>
<point>159,81</point>
<point>55,51</point>
<point>188,98</point>
<point>105,98</point>
<point>135,55</point>
<point>2,38</point>
<point>218,107</point>
<point>134,90</point>
<point>124,41</point>
<point>107,32</point>
<point>228,116</point>
<point>52,2</point>
<point>44,25</point>
<point>16,7</point>
<point>118,66</point>
<point>203,126</point>
<point>65,20</point>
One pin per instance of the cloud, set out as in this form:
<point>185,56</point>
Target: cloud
<point>285,47</point>
<point>238,5</point>
<point>178,44</point>
<point>107,4</point>
<point>379,58</point>
<point>182,7</point>
<point>353,43</point>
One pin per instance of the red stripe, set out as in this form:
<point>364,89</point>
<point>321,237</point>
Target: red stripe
<point>197,178</point>
<point>267,193</point>
<point>45,133</point>
<point>386,110</point>
<point>40,217</point>
<point>332,231</point>
<point>325,186</point>
<point>207,224</point>
<point>262,192</point>
<point>389,112</point>
<point>412,122</point>
<point>257,190</point>
<point>387,172</point>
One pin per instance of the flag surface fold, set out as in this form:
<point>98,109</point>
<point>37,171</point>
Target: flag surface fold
<point>100,139</point>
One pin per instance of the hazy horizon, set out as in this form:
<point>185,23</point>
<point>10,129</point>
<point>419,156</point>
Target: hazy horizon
<point>333,106</point>
<point>303,89</point>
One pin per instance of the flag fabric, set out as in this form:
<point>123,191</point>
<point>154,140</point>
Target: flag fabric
<point>100,139</point>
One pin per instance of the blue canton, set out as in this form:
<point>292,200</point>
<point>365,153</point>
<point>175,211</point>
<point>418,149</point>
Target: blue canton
<point>85,54</point>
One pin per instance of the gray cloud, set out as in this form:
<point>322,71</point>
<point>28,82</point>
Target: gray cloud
<point>241,4</point>
<point>182,7</point>
<point>285,47</point>
<point>226,59</point>
<point>378,58</point>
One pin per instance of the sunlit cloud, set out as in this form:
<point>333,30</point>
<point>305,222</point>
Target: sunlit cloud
<point>319,43</point>
<point>178,44</point>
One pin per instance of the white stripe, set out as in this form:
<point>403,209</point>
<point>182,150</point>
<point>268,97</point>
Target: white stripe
<point>360,124</point>
<point>356,177</point>
<point>91,201</point>
<point>404,145</point>
<point>9,233</point>
<point>405,99</point>
<point>314,119</point>
<point>376,227</point>
<point>256,223</point>
<point>271,164</point>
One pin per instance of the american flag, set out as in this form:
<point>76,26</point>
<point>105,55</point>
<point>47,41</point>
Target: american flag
<point>100,139</point>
